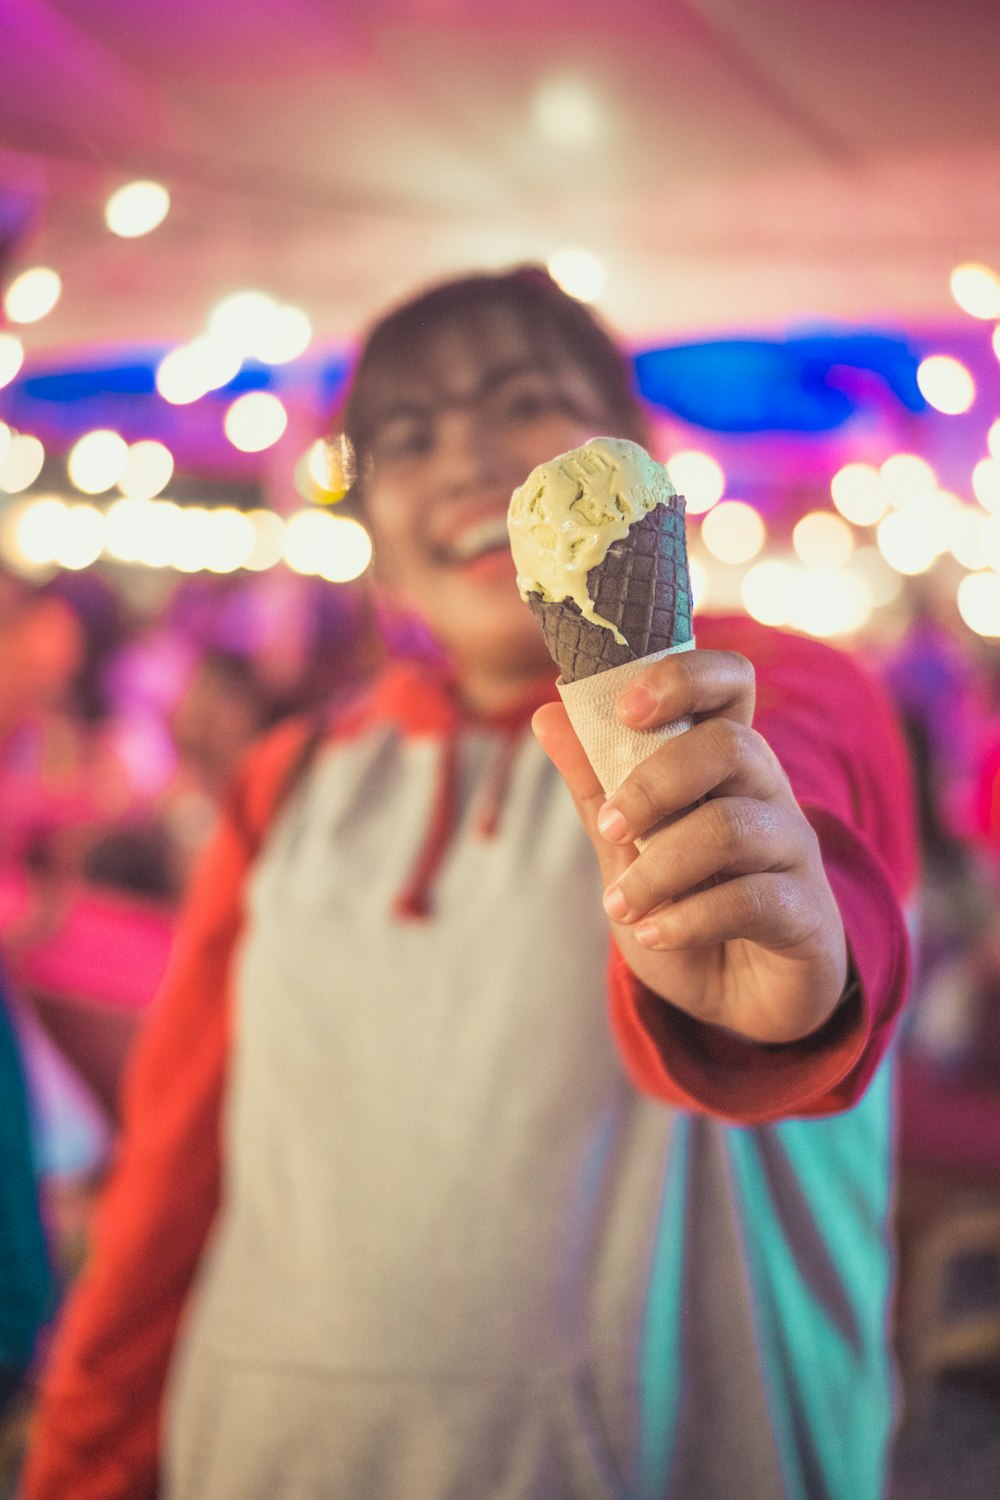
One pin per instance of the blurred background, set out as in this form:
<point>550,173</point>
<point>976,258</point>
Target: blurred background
<point>791,215</point>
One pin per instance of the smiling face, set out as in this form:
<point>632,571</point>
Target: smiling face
<point>448,437</point>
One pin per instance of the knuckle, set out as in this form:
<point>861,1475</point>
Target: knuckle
<point>639,797</point>
<point>728,825</point>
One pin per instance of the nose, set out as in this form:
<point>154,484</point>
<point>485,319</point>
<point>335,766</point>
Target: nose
<point>469,453</point>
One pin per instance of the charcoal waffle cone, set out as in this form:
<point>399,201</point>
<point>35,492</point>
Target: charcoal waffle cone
<point>642,586</point>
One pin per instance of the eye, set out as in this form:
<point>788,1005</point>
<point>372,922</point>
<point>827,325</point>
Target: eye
<point>402,438</point>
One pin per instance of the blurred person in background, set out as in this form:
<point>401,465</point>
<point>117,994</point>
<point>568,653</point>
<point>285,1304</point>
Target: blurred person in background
<point>434,1181</point>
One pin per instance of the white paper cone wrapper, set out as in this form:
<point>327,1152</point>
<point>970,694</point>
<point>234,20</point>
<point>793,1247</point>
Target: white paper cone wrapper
<point>612,748</point>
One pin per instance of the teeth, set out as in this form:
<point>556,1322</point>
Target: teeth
<point>484,536</point>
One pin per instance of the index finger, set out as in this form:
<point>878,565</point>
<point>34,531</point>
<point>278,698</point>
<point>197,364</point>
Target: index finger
<point>698,684</point>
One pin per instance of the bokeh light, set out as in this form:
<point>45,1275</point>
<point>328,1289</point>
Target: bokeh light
<point>905,475</point>
<point>823,540</point>
<point>829,602</point>
<point>698,477</point>
<point>579,272</point>
<point>733,531</point>
<point>37,530</point>
<point>255,421</point>
<point>976,289</point>
<point>946,384</point>
<point>192,370</point>
<point>986,483</point>
<point>229,539</point>
<point>148,470</point>
<point>269,540</point>
<point>22,464</point>
<point>137,208</point>
<point>699,583</point>
<point>567,112</point>
<point>884,583</point>
<point>285,335</point>
<point>979,603</point>
<point>967,538</point>
<point>97,461</point>
<point>332,547</point>
<point>767,591</point>
<point>32,295</point>
<point>857,493</point>
<point>907,543</point>
<point>993,439</point>
<point>11,357</point>
<point>80,537</point>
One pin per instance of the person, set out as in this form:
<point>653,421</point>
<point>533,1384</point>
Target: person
<point>433,1183</point>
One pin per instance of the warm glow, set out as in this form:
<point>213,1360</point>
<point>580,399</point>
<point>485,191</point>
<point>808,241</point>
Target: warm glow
<point>255,421</point>
<point>80,538</point>
<point>97,461</point>
<point>967,537</point>
<point>697,477</point>
<point>857,493</point>
<point>285,335</point>
<point>269,540</point>
<point>6,438</point>
<point>823,540</point>
<point>829,602</point>
<point>990,540</point>
<point>946,384</point>
<point>11,357</point>
<point>986,483</point>
<point>884,583</point>
<point>996,341</point>
<point>733,531</point>
<point>907,543</point>
<point>698,582</point>
<point>148,470</point>
<point>567,113</point>
<point>229,539</point>
<point>767,591</point>
<point>192,370</point>
<point>191,540</point>
<point>992,438</point>
<point>348,551</point>
<point>38,529</point>
<point>580,273</point>
<point>334,547</point>
<point>976,289</point>
<point>979,603</point>
<point>904,476</point>
<point>22,464</point>
<point>32,294</point>
<point>136,209</point>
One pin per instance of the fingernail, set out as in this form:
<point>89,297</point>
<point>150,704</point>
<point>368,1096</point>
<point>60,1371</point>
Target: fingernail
<point>636,703</point>
<point>648,934</point>
<point>611,823</point>
<point>614,902</point>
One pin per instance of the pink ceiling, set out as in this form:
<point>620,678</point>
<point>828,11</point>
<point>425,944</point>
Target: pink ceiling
<point>763,162</point>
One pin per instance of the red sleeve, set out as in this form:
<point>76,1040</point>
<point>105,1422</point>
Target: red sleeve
<point>835,735</point>
<point>96,1434</point>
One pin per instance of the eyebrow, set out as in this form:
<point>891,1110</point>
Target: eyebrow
<point>492,380</point>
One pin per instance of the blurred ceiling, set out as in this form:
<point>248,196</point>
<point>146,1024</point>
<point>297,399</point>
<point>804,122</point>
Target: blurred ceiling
<point>737,164</point>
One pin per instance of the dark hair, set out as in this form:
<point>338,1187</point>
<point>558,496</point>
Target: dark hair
<point>567,329</point>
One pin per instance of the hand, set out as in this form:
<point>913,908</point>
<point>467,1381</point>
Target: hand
<point>727,912</point>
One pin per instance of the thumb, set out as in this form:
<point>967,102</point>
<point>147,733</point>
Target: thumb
<point>559,740</point>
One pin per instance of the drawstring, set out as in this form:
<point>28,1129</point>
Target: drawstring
<point>414,900</point>
<point>494,793</point>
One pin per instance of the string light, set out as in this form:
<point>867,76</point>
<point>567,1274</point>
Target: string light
<point>23,463</point>
<point>80,538</point>
<point>148,470</point>
<point>697,477</point>
<point>822,539</point>
<point>993,439</point>
<point>829,602</point>
<point>906,544</point>
<point>979,603</point>
<point>884,583</point>
<point>579,272</point>
<point>946,384</point>
<point>192,370</point>
<point>11,357</point>
<point>766,591</point>
<point>32,295</point>
<point>269,540</point>
<point>986,483</point>
<point>904,476</point>
<point>136,209</point>
<point>733,531</point>
<point>976,289</point>
<point>255,421</point>
<point>857,493</point>
<point>97,461</point>
<point>37,529</point>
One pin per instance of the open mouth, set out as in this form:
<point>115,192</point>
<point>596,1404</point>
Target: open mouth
<point>475,541</point>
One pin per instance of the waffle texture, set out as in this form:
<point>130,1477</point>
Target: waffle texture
<point>642,586</point>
